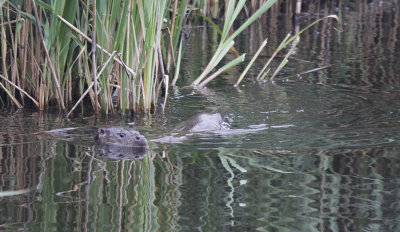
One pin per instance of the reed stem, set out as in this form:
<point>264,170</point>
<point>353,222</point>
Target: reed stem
<point>94,63</point>
<point>53,71</point>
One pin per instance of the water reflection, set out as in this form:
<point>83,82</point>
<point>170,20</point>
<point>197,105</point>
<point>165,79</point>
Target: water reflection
<point>335,168</point>
<point>75,189</point>
<point>364,54</point>
<point>321,190</point>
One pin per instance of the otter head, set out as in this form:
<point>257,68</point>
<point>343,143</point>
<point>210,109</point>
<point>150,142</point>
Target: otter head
<point>121,136</point>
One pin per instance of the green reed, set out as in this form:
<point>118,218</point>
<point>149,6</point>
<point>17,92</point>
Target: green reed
<point>48,56</point>
<point>227,39</point>
<point>288,39</point>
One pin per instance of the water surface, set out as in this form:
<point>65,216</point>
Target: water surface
<point>328,159</point>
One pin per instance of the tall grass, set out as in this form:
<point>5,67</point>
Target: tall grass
<point>115,55</point>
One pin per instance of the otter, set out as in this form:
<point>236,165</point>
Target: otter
<point>201,122</point>
<point>110,142</point>
<point>204,124</point>
<point>121,137</point>
<point>117,138</point>
<point>120,143</point>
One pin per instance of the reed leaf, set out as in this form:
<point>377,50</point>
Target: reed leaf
<point>307,27</point>
<point>14,192</point>
<point>227,42</point>
<point>285,42</point>
<point>252,18</point>
<point>285,60</point>
<point>251,62</point>
<point>11,96</point>
<point>229,65</point>
<point>178,65</point>
<point>262,73</point>
<point>23,91</point>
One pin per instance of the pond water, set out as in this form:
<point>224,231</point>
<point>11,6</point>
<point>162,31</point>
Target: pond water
<point>327,159</point>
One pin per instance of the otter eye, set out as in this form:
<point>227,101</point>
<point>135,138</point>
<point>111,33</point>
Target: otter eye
<point>121,135</point>
<point>137,138</point>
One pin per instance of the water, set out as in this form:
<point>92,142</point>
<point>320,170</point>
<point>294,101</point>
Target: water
<point>328,159</point>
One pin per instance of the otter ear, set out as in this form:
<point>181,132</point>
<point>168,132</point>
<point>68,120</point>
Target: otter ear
<point>101,131</point>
